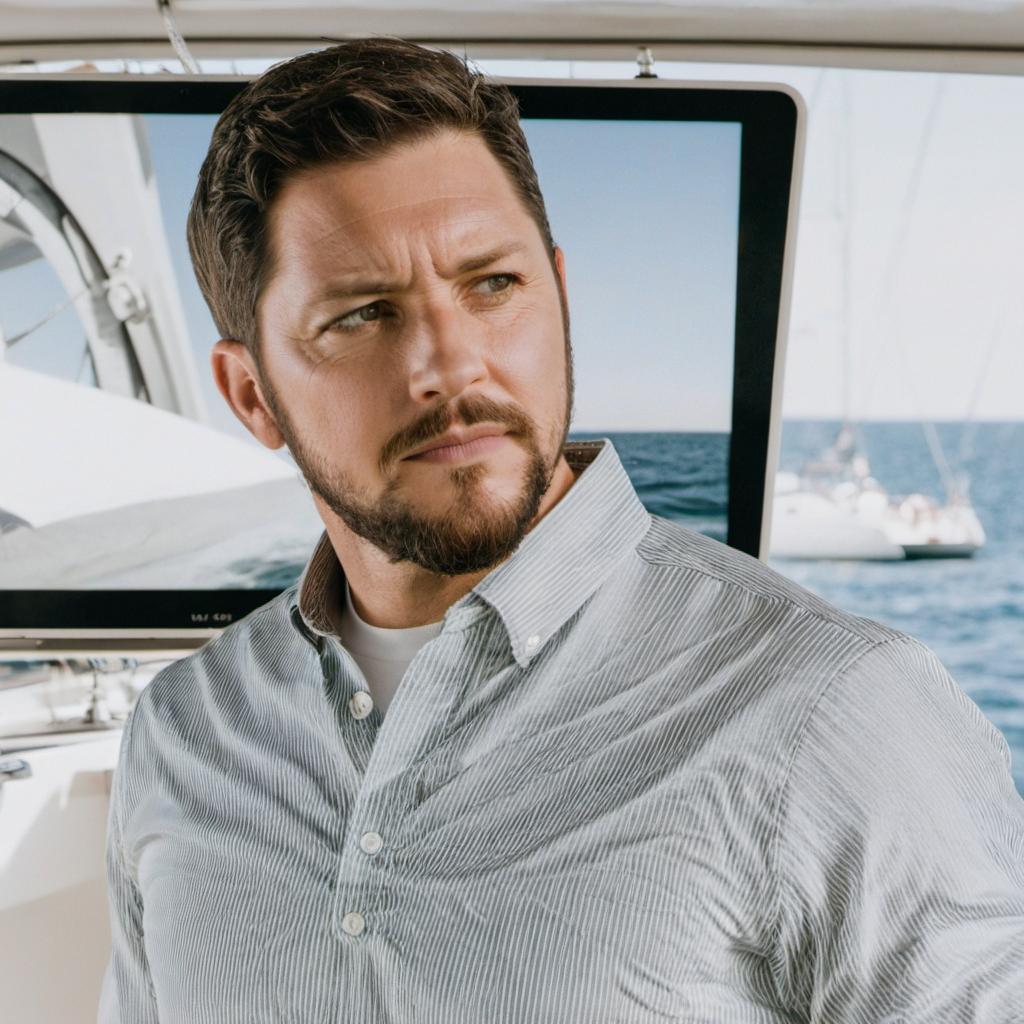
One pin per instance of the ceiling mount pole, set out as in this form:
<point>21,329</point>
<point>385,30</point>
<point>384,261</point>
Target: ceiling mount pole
<point>177,40</point>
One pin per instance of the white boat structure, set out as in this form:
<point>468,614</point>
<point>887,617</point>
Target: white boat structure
<point>61,494</point>
<point>835,509</point>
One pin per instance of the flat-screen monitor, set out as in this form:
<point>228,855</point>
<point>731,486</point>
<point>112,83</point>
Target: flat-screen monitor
<point>135,511</point>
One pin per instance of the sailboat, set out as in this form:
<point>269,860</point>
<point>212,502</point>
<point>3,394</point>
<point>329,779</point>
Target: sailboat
<point>834,508</point>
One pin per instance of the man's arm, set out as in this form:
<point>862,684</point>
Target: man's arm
<point>127,996</point>
<point>899,853</point>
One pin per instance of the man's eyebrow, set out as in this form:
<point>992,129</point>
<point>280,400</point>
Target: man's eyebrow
<point>487,258</point>
<point>351,289</point>
<point>354,286</point>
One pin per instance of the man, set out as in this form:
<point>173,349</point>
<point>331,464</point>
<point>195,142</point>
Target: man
<point>513,750</point>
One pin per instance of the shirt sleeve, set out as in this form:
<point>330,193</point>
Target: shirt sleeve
<point>899,853</point>
<point>127,996</point>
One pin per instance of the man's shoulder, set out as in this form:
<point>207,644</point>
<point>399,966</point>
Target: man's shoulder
<point>804,666</point>
<point>234,658</point>
<point>731,579</point>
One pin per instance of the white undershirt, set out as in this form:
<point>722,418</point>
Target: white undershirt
<point>382,654</point>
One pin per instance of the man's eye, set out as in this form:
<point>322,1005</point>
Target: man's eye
<point>357,318</point>
<point>496,284</point>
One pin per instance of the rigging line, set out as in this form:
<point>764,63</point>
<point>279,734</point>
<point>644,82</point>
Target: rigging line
<point>895,262</point>
<point>177,40</point>
<point>11,342</point>
<point>848,204</point>
<point>949,480</point>
<point>950,483</point>
<point>967,439</point>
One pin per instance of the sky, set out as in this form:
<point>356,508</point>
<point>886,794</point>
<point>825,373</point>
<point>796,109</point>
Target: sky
<point>910,250</point>
<point>914,195</point>
<point>906,301</point>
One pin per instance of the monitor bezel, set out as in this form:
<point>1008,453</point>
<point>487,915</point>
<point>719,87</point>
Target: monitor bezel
<point>771,116</point>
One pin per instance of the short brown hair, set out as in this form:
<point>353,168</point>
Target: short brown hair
<point>347,102</point>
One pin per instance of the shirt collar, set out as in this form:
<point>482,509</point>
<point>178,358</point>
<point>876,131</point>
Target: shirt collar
<point>316,606</point>
<point>569,553</point>
<point>555,569</point>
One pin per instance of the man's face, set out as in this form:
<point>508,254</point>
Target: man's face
<point>413,295</point>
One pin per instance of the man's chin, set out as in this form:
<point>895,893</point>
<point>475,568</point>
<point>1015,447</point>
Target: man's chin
<point>449,546</point>
<point>466,534</point>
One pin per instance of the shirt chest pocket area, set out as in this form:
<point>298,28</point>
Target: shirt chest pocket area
<point>201,890</point>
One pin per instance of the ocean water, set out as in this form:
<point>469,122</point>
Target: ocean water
<point>970,612</point>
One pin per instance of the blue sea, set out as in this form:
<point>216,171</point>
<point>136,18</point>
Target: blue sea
<point>969,611</point>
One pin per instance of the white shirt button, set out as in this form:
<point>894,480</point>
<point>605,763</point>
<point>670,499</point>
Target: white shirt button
<point>533,642</point>
<point>370,842</point>
<point>353,923</point>
<point>360,704</point>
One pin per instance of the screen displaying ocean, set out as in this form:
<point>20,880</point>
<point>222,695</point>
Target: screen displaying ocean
<point>969,611</point>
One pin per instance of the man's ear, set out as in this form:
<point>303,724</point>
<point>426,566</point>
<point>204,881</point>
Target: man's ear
<point>234,372</point>
<point>560,267</point>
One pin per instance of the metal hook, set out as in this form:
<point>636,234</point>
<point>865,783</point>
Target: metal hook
<point>645,63</point>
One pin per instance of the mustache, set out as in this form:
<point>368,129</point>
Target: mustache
<point>468,410</point>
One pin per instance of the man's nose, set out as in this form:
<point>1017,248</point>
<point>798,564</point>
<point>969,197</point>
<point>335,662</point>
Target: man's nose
<point>447,353</point>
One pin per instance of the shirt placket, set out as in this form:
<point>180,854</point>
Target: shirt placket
<point>390,753</point>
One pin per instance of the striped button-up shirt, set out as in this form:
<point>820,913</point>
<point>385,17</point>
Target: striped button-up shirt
<point>636,777</point>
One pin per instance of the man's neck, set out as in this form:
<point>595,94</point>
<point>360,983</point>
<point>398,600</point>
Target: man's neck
<point>399,596</point>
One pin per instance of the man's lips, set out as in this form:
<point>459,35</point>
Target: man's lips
<point>481,447</point>
<point>457,443</point>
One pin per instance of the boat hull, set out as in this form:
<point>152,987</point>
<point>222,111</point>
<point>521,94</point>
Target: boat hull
<point>921,551</point>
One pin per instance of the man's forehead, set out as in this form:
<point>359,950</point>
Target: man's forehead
<point>352,216</point>
<point>336,231</point>
<point>405,179</point>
